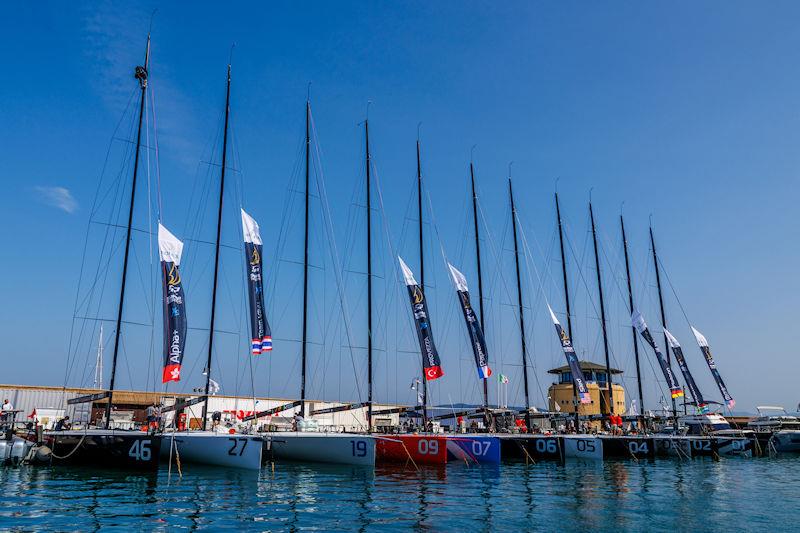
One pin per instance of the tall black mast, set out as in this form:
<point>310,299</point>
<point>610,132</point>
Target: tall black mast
<point>369,280</point>
<point>609,381</point>
<point>519,304</point>
<point>421,281</point>
<point>141,75</point>
<point>480,282</point>
<point>305,269</point>
<point>633,328</point>
<point>216,245</point>
<point>661,306</point>
<point>566,299</point>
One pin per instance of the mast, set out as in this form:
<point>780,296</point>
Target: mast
<point>566,298</point>
<point>305,268</point>
<point>661,306</point>
<point>216,244</point>
<point>421,280</point>
<point>519,304</point>
<point>141,75</point>
<point>633,328</point>
<point>369,280</point>
<point>480,282</point>
<point>609,381</point>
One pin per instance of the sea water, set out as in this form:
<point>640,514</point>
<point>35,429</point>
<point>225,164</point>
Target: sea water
<point>665,495</point>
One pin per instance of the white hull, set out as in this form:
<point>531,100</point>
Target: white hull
<point>583,447</point>
<point>215,449</point>
<point>339,448</point>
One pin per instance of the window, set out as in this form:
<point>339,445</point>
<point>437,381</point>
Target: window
<point>566,377</point>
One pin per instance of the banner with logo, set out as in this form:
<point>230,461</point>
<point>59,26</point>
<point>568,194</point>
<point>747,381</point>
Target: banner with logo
<point>260,332</point>
<point>572,360</point>
<point>473,326</point>
<point>703,343</point>
<point>175,325</point>
<point>419,307</point>
<point>637,320</point>
<point>694,390</point>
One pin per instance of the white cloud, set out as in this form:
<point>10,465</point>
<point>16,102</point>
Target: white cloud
<point>59,197</point>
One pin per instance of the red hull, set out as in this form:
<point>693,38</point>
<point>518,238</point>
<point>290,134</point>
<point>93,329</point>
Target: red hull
<point>423,449</point>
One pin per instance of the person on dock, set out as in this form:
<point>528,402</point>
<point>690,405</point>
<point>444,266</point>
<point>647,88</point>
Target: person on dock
<point>63,424</point>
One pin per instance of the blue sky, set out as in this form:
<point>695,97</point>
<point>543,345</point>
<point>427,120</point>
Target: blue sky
<point>687,113</point>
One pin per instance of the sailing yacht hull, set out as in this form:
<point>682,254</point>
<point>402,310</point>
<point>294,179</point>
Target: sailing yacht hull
<point>421,449</point>
<point>531,447</point>
<point>337,448</point>
<point>673,446</point>
<point>583,447</point>
<point>104,448</point>
<point>786,441</point>
<point>628,447</point>
<point>473,449</point>
<point>214,449</point>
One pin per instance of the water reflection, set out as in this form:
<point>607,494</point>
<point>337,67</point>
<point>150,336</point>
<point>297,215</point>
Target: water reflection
<point>695,494</point>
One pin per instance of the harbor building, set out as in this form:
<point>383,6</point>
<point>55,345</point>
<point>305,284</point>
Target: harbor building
<point>129,408</point>
<point>562,398</point>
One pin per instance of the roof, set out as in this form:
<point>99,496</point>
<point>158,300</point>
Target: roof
<point>585,365</point>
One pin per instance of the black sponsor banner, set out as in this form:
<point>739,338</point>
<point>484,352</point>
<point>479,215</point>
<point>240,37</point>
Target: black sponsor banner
<point>430,357</point>
<point>639,323</point>
<point>694,390</point>
<point>174,321</point>
<point>261,334</point>
<point>574,364</point>
<point>703,343</point>
<point>475,336</point>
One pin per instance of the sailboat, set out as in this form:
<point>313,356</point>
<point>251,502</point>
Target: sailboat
<point>218,446</point>
<point>108,446</point>
<point>708,433</point>
<point>421,446</point>
<point>303,444</point>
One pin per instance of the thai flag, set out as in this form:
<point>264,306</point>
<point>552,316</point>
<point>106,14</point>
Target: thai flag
<point>266,344</point>
<point>256,346</point>
<point>484,372</point>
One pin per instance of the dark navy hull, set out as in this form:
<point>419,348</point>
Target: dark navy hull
<point>108,449</point>
<point>531,447</point>
<point>628,447</point>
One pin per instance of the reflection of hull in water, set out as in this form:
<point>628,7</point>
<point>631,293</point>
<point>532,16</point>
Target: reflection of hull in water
<point>473,449</point>
<point>107,448</point>
<point>422,449</point>
<point>531,447</point>
<point>338,448</point>
<point>583,447</point>
<point>215,449</point>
